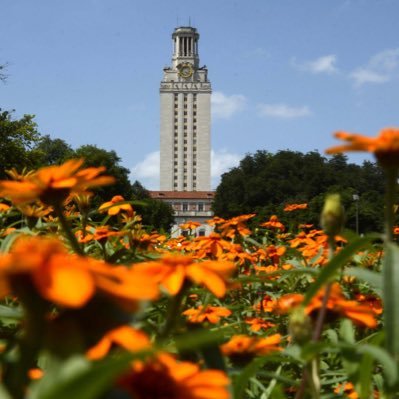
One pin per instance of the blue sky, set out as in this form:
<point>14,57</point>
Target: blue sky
<point>285,74</point>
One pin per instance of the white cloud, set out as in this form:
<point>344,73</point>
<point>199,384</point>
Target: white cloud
<point>283,111</point>
<point>222,161</point>
<point>324,64</point>
<point>224,106</point>
<point>381,68</point>
<point>147,171</point>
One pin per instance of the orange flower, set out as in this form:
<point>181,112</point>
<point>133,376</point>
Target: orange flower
<point>35,374</point>
<point>65,279</point>
<point>115,206</point>
<point>53,184</point>
<point>267,304</point>
<point>385,146</point>
<point>337,304</point>
<point>213,245</point>
<point>101,233</point>
<point>374,302</point>
<point>273,224</point>
<point>210,313</point>
<point>190,225</point>
<point>172,270</point>
<point>257,323</point>
<point>126,337</point>
<point>4,207</point>
<point>236,226</point>
<point>164,377</point>
<point>348,389</point>
<point>35,210</point>
<point>238,255</point>
<point>295,207</point>
<point>244,348</point>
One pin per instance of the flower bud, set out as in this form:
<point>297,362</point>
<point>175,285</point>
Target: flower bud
<point>300,326</point>
<point>332,216</point>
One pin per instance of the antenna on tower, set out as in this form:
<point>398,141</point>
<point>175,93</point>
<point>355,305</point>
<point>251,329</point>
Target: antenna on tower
<point>189,21</point>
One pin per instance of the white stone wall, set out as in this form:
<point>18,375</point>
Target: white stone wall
<point>166,142</point>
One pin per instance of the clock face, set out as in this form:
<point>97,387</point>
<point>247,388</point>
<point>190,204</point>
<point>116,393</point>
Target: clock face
<point>185,70</point>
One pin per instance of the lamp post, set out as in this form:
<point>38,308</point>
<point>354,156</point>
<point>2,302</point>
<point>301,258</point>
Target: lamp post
<point>356,198</point>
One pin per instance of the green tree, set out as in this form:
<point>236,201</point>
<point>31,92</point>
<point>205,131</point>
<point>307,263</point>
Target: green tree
<point>264,183</point>
<point>17,138</point>
<point>156,214</point>
<point>52,151</point>
<point>94,156</point>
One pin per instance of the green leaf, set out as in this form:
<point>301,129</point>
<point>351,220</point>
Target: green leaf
<point>4,393</point>
<point>241,381</point>
<point>390,274</point>
<point>389,365</point>
<point>374,279</point>
<point>11,313</point>
<point>337,262</point>
<point>77,378</point>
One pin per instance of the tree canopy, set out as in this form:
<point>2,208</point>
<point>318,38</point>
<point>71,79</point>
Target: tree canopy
<point>17,139</point>
<point>264,183</point>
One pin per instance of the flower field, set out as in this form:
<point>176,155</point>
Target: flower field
<point>96,306</point>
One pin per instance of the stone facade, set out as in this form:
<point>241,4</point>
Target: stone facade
<point>185,118</point>
<point>185,135</point>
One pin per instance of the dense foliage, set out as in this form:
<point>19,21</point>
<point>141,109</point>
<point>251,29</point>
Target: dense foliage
<point>22,147</point>
<point>264,183</point>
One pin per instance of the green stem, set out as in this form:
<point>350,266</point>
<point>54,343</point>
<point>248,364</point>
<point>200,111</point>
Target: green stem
<point>391,178</point>
<point>67,230</point>
<point>173,312</point>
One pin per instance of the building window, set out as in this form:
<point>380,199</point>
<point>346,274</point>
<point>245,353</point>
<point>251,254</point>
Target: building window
<point>175,163</point>
<point>194,120</point>
<point>175,120</point>
<point>185,156</point>
<point>185,170</point>
<point>200,207</point>
<point>185,120</point>
<point>201,233</point>
<point>194,148</point>
<point>175,170</point>
<point>194,141</point>
<point>175,148</point>
<point>185,148</point>
<point>194,113</point>
<point>185,112</point>
<point>185,134</point>
<point>175,113</point>
<point>185,207</point>
<point>185,106</point>
<point>194,177</point>
<point>185,141</point>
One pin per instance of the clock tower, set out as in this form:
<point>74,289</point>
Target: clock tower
<point>185,118</point>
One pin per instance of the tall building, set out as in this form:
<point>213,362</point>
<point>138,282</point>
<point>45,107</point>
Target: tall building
<point>185,117</point>
<point>185,134</point>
